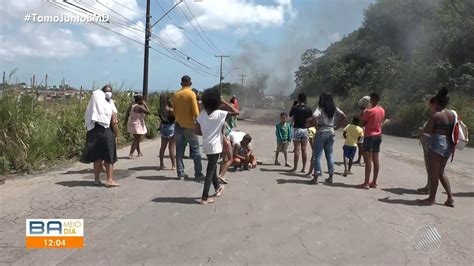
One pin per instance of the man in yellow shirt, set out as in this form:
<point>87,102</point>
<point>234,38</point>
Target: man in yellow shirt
<point>352,133</point>
<point>186,110</point>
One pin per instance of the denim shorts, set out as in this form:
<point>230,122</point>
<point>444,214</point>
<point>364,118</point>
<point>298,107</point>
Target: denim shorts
<point>300,134</point>
<point>167,131</point>
<point>349,151</point>
<point>372,143</point>
<point>440,144</point>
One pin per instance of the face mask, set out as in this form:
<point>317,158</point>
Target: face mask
<point>108,95</point>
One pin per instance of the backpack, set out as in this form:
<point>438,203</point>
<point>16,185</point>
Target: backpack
<point>460,134</point>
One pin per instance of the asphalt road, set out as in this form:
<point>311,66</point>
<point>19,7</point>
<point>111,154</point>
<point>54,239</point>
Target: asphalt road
<point>265,216</point>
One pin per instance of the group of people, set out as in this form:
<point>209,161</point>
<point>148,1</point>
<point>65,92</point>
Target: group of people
<point>183,117</point>
<point>187,115</point>
<point>318,129</point>
<point>363,133</point>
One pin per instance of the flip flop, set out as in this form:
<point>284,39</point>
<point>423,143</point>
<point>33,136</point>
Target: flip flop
<point>222,179</point>
<point>219,191</point>
<point>426,202</point>
<point>449,203</point>
<point>107,185</point>
<point>208,201</point>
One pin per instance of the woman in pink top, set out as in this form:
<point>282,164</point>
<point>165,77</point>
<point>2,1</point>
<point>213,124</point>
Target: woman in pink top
<point>136,124</point>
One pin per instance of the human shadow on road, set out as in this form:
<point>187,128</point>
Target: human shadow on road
<point>463,194</point>
<point>179,200</point>
<point>77,183</point>
<point>274,170</point>
<point>82,171</point>
<point>292,181</point>
<point>401,201</point>
<point>143,168</point>
<point>343,185</point>
<point>401,191</point>
<point>157,178</point>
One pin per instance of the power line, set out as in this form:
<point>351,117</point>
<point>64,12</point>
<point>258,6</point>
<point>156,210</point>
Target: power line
<point>184,33</point>
<point>195,29</point>
<point>199,25</point>
<point>131,39</point>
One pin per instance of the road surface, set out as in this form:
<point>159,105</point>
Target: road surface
<point>265,216</point>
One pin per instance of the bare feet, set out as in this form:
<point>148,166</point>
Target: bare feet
<point>208,201</point>
<point>288,165</point>
<point>130,156</point>
<point>373,184</point>
<point>140,154</point>
<point>277,163</point>
<point>97,183</point>
<point>161,167</point>
<point>363,186</point>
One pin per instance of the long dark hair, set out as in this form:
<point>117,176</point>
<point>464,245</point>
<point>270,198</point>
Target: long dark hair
<point>326,103</point>
<point>442,97</point>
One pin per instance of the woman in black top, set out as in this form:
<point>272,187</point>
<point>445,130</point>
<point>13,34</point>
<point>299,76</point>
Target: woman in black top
<point>300,113</point>
<point>166,115</point>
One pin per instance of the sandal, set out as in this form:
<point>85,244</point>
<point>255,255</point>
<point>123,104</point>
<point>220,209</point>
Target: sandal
<point>111,185</point>
<point>426,202</point>
<point>223,180</point>
<point>423,190</point>
<point>449,203</point>
<point>219,191</point>
<point>208,201</point>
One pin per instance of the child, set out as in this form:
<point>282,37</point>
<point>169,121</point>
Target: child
<point>243,156</point>
<point>283,135</point>
<point>311,138</point>
<point>352,134</point>
<point>209,125</point>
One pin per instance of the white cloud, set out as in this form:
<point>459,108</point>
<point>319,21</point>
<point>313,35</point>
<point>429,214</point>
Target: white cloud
<point>221,15</point>
<point>172,35</point>
<point>44,42</point>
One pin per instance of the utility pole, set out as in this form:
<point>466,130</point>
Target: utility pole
<point>46,82</point>
<point>147,50</point>
<point>4,85</point>
<point>242,83</point>
<point>220,75</point>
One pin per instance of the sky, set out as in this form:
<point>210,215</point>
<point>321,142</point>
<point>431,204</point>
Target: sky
<point>258,35</point>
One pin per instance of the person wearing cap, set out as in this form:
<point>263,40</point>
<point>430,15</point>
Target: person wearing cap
<point>186,110</point>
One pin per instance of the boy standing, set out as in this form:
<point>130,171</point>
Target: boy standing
<point>283,135</point>
<point>373,119</point>
<point>352,134</point>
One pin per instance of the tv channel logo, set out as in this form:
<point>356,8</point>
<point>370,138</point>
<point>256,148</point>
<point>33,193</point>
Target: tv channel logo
<point>54,233</point>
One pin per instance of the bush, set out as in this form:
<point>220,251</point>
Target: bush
<point>37,134</point>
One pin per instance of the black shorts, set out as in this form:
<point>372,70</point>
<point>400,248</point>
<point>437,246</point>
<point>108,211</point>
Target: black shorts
<point>372,144</point>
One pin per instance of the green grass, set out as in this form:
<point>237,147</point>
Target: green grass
<point>35,135</point>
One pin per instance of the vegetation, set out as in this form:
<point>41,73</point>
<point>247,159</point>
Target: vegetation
<point>35,135</point>
<point>405,50</point>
